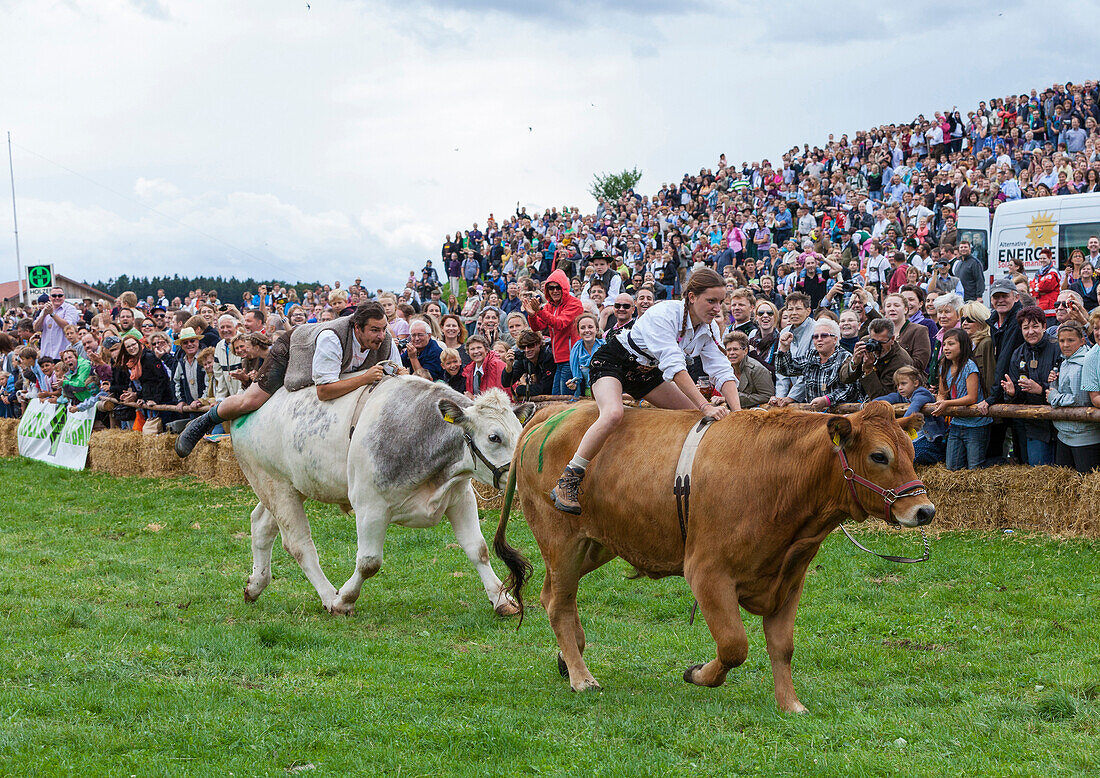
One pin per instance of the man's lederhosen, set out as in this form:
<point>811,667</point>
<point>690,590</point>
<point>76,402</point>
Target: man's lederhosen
<point>272,372</point>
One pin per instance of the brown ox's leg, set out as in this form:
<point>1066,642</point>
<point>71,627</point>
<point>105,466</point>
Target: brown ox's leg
<point>716,593</point>
<point>595,557</point>
<point>779,633</point>
<point>544,595</point>
<point>567,564</point>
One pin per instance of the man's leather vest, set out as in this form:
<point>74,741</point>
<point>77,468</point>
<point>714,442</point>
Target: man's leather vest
<point>303,342</point>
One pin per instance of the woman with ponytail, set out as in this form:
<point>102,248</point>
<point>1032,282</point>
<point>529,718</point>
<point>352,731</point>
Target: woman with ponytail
<point>650,361</point>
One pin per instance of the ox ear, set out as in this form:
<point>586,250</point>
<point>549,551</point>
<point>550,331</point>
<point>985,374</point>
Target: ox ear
<point>840,430</point>
<point>524,412</point>
<point>911,424</point>
<point>451,412</point>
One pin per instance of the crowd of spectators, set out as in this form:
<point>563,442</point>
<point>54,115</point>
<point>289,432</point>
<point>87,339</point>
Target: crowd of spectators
<point>846,281</point>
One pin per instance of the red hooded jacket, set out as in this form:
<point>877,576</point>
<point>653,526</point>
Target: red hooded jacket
<point>1044,287</point>
<point>559,319</point>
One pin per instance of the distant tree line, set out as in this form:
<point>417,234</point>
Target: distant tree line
<point>229,289</point>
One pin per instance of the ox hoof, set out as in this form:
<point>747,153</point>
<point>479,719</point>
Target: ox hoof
<point>797,708</point>
<point>507,608</point>
<point>689,674</point>
<point>341,608</point>
<point>563,668</point>
<point>588,684</point>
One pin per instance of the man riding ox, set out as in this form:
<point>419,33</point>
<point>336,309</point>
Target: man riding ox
<point>745,537</point>
<point>312,354</point>
<point>403,453</point>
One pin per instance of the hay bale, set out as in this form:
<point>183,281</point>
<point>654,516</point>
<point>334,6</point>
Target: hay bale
<point>202,462</point>
<point>9,441</point>
<point>228,472</point>
<point>158,457</point>
<point>115,451</point>
<point>1049,500</point>
<point>488,498</point>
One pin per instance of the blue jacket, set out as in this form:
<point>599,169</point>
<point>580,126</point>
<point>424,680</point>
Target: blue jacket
<point>511,305</point>
<point>428,358</point>
<point>183,389</point>
<point>933,428</point>
<point>579,357</point>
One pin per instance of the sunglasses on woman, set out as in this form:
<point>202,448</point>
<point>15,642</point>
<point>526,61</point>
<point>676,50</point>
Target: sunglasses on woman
<point>765,312</point>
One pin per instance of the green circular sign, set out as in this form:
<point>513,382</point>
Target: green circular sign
<point>40,276</point>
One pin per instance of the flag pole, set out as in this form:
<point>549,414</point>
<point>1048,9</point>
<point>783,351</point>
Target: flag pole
<point>15,223</point>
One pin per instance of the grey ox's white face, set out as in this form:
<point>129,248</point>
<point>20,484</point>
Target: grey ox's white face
<point>495,427</point>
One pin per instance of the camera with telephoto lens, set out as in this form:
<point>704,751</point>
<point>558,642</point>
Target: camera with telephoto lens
<point>847,286</point>
<point>874,347</point>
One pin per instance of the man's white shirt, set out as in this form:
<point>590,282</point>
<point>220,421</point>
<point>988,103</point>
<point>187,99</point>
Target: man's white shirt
<point>328,356</point>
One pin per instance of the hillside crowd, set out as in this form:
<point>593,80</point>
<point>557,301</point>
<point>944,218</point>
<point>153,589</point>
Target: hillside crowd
<point>846,280</point>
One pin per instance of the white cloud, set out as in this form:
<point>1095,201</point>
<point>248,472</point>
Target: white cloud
<point>241,232</point>
<point>154,189</point>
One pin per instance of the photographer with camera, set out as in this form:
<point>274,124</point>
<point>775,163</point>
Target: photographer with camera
<point>420,354</point>
<point>529,368</point>
<point>558,315</point>
<point>876,358</point>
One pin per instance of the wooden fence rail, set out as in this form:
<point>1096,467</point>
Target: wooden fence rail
<point>1029,412</point>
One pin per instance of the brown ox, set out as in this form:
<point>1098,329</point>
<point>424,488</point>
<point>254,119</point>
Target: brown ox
<point>767,488</point>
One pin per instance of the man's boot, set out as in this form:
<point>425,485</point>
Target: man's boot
<point>566,493</point>
<point>195,431</point>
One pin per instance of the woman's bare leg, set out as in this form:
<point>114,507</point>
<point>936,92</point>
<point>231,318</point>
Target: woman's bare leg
<point>668,395</point>
<point>608,394</point>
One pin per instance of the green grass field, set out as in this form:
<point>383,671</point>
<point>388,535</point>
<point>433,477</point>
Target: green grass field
<point>128,649</point>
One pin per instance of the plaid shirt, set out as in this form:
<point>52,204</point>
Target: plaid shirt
<point>821,380</point>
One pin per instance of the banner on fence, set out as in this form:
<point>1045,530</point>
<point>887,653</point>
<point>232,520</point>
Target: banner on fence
<point>51,434</point>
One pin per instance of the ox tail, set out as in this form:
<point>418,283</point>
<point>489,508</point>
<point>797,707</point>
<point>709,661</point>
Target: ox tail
<point>519,569</point>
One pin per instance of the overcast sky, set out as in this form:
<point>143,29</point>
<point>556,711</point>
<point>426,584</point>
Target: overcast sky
<point>344,138</point>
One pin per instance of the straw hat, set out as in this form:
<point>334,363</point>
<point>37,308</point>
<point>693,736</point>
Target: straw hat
<point>187,333</point>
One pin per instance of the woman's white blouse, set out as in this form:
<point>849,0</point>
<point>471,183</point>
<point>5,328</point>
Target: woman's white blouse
<point>657,334</point>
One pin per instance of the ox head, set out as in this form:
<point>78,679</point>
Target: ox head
<point>491,427</point>
<point>878,450</point>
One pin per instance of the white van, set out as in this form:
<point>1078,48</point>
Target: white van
<point>1022,227</point>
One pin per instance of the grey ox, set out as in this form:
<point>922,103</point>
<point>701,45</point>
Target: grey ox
<point>402,454</point>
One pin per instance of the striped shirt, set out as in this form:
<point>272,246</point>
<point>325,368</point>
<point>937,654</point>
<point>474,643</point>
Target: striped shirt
<point>821,380</point>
